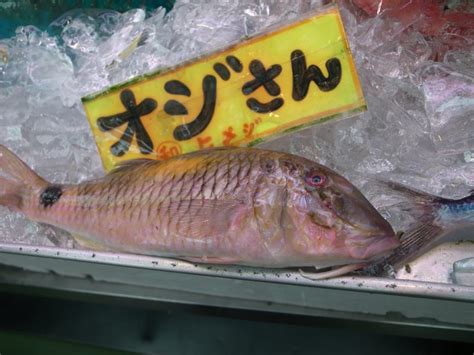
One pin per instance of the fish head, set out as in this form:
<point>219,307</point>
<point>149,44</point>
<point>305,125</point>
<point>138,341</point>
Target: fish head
<point>331,217</point>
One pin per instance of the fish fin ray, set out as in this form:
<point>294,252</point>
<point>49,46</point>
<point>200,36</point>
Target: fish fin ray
<point>418,195</point>
<point>16,169</point>
<point>16,180</point>
<point>415,242</point>
<point>419,238</point>
<point>206,151</point>
<point>127,165</point>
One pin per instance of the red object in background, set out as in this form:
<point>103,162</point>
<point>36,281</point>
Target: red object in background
<point>451,28</point>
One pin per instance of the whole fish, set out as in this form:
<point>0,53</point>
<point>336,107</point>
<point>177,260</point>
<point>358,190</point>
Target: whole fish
<point>225,205</point>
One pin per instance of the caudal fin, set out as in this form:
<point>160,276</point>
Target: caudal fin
<point>16,180</point>
<point>426,234</point>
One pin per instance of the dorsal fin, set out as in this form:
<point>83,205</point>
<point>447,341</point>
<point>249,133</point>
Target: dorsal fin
<point>209,150</point>
<point>407,191</point>
<point>127,165</point>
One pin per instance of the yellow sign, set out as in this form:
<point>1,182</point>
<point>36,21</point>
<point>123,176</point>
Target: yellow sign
<point>266,85</point>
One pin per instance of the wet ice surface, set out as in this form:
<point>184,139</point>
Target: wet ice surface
<point>419,129</point>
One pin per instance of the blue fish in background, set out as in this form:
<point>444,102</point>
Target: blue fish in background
<point>439,219</point>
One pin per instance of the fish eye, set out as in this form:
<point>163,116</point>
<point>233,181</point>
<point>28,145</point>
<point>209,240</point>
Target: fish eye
<point>315,179</point>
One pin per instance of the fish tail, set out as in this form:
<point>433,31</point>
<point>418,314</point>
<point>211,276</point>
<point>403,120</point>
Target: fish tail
<point>17,181</point>
<point>433,214</point>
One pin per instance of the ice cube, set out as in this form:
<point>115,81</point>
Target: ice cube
<point>80,35</point>
<point>469,156</point>
<point>463,272</point>
<point>418,131</point>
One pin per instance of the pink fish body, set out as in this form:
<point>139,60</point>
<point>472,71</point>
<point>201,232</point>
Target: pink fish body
<point>237,205</point>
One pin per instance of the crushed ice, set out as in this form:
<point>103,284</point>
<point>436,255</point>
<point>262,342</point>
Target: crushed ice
<point>419,129</point>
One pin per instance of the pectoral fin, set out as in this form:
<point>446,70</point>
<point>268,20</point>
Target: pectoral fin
<point>202,219</point>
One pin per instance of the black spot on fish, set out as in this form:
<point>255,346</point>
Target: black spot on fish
<point>50,196</point>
